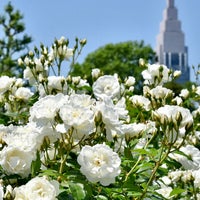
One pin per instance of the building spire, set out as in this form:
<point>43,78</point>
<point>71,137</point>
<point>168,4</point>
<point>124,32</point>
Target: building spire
<point>170,3</point>
<point>170,47</point>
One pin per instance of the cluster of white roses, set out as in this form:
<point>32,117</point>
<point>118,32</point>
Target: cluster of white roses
<point>97,126</point>
<point>14,94</point>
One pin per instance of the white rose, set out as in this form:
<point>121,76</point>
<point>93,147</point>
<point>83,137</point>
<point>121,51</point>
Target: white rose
<point>23,93</point>
<point>82,83</point>
<point>39,67</point>
<point>111,117</point>
<point>160,92</point>
<point>156,74</point>
<point>26,137</point>
<point>99,164</point>
<point>134,129</point>
<point>76,79</point>
<point>6,83</point>
<point>177,73</point>
<point>82,100</point>
<point>45,110</point>
<point>196,175</point>
<point>14,160</point>
<point>106,86</point>
<point>177,100</point>
<point>1,192</point>
<point>172,113</point>
<point>192,161</point>
<point>67,52</point>
<point>95,73</point>
<point>175,176</point>
<point>165,192</point>
<point>184,93</point>
<point>130,81</point>
<point>27,74</point>
<point>80,118</point>
<point>38,188</point>
<point>141,101</point>
<point>55,84</point>
<point>197,90</point>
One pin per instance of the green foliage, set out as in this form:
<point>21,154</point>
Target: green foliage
<point>145,153</point>
<point>121,58</point>
<point>13,43</point>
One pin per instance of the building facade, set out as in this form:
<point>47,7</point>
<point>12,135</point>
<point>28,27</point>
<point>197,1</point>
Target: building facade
<point>170,44</point>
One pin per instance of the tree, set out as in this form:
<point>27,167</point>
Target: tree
<point>122,58</point>
<point>14,43</point>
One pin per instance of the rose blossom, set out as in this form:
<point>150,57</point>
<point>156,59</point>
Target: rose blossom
<point>14,160</point>
<point>82,100</point>
<point>23,93</point>
<point>80,118</point>
<point>173,112</point>
<point>99,164</point>
<point>130,81</point>
<point>1,192</point>
<point>95,73</point>
<point>194,157</point>
<point>160,92</point>
<point>184,93</point>
<point>5,83</point>
<point>141,101</point>
<point>156,74</point>
<point>46,108</point>
<point>165,192</point>
<point>197,90</point>
<point>56,84</point>
<point>106,86</point>
<point>28,137</point>
<point>111,115</point>
<point>38,188</point>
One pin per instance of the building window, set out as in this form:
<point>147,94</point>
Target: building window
<point>183,60</point>
<point>175,59</point>
<point>167,59</point>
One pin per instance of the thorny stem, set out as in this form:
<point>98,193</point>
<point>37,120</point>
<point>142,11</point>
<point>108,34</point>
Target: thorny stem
<point>132,169</point>
<point>139,159</point>
<point>63,155</point>
<point>157,165</point>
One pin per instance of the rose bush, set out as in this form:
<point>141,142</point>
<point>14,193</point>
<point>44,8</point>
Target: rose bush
<point>63,138</point>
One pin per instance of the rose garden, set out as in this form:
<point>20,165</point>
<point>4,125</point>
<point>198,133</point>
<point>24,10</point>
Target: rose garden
<point>98,136</point>
<point>68,139</point>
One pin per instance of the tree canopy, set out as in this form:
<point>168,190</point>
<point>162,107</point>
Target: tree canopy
<point>122,58</point>
<point>13,43</point>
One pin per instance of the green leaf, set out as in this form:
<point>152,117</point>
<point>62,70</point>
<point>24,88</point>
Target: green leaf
<point>130,186</point>
<point>77,190</point>
<point>177,191</point>
<point>64,196</point>
<point>36,164</point>
<point>51,173</point>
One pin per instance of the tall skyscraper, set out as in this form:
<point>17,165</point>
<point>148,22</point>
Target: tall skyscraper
<point>170,47</point>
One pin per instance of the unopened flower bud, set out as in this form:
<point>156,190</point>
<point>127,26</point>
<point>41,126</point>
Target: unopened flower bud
<point>20,62</point>
<point>31,54</point>
<point>184,93</point>
<point>141,62</point>
<point>76,80</point>
<point>83,42</point>
<point>130,81</point>
<point>26,61</point>
<point>177,73</point>
<point>95,73</point>
<point>61,40</point>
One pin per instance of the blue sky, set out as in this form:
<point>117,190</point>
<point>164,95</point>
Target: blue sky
<point>106,21</point>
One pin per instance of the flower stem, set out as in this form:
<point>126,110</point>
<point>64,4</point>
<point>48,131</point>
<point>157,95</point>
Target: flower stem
<point>157,165</point>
